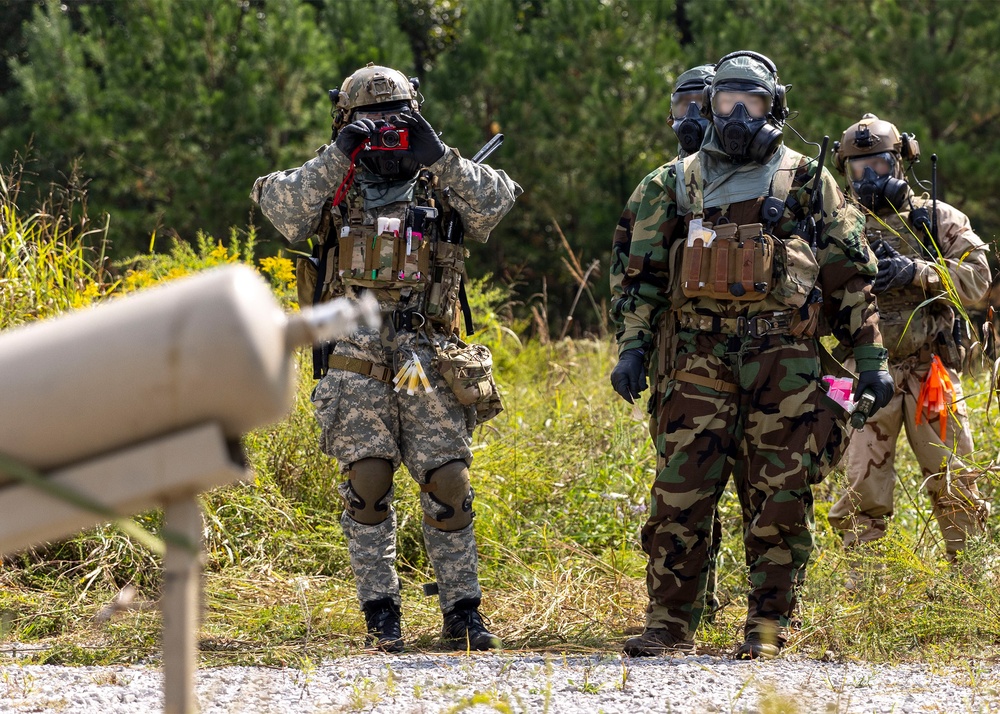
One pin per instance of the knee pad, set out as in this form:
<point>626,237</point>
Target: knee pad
<point>367,492</point>
<point>447,497</point>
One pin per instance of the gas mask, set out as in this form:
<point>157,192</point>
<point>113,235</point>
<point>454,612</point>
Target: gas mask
<point>876,192</point>
<point>690,129</point>
<point>744,137</point>
<point>389,165</point>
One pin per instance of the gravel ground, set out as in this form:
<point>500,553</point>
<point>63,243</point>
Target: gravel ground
<point>518,682</point>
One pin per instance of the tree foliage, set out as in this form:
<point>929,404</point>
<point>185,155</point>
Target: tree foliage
<point>174,108</point>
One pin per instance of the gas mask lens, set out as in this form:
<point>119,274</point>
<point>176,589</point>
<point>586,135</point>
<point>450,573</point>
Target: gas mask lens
<point>724,101</point>
<point>681,101</point>
<point>882,164</point>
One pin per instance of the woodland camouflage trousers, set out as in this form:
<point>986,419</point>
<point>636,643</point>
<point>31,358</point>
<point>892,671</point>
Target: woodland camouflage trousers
<point>769,427</point>
<point>864,509</point>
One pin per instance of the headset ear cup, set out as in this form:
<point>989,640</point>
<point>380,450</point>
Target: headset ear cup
<point>780,109</point>
<point>838,160</point>
<point>706,102</point>
<point>910,149</point>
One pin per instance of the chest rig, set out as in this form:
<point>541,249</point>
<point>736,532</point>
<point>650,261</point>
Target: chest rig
<point>741,263</point>
<point>398,252</point>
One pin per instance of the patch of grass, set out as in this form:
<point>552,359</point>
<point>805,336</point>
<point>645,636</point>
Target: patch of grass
<point>561,478</point>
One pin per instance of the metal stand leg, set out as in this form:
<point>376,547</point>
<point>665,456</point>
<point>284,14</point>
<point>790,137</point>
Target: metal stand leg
<point>181,597</point>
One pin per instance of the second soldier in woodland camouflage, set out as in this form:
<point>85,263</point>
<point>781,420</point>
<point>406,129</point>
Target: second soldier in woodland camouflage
<point>917,318</point>
<point>689,124</point>
<point>728,289</point>
<point>377,199</point>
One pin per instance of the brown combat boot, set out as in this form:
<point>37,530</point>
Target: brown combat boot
<point>755,648</point>
<point>657,641</point>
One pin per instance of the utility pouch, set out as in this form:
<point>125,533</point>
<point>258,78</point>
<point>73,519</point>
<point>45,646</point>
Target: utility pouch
<point>468,370</point>
<point>442,298</point>
<point>307,278</point>
<point>373,259</point>
<point>795,271</point>
<point>728,262</point>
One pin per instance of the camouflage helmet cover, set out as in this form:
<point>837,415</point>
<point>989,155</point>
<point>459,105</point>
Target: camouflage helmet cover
<point>695,79</point>
<point>741,69</point>
<point>372,85</point>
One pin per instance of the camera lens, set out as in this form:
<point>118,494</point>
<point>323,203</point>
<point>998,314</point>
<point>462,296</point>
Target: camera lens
<point>390,138</point>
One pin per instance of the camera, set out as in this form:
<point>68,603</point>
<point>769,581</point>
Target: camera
<point>387,137</point>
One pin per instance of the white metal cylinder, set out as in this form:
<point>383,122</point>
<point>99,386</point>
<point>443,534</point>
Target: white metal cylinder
<point>210,347</point>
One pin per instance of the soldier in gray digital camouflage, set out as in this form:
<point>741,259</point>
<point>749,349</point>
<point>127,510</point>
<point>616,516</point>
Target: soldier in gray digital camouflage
<point>733,269</point>
<point>384,205</point>
<point>689,124</point>
<point>930,262</point>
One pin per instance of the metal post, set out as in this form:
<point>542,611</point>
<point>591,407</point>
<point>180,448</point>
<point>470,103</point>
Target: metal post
<point>180,603</point>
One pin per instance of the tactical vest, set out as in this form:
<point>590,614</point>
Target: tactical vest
<point>396,252</point>
<point>910,325</point>
<point>733,263</point>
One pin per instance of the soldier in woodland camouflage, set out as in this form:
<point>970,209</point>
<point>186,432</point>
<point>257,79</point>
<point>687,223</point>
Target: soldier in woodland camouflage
<point>729,291</point>
<point>377,199</point>
<point>689,124</point>
<point>916,271</point>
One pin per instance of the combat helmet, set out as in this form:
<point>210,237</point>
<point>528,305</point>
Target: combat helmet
<point>872,135</point>
<point>870,155</point>
<point>370,86</point>
<point>686,118</point>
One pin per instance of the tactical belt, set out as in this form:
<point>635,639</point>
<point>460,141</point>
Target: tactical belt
<point>775,323</point>
<point>361,366</point>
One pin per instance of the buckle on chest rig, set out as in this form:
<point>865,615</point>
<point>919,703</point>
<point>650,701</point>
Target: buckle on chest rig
<point>756,327</point>
<point>407,320</point>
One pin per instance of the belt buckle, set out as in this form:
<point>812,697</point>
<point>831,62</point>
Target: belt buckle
<point>754,328</point>
<point>741,327</point>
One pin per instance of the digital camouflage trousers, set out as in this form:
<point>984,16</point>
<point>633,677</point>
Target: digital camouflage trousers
<point>758,423</point>
<point>364,418</point>
<point>863,510</point>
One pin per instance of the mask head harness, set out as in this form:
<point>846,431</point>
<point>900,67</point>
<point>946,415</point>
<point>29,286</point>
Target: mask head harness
<point>871,154</point>
<point>686,118</point>
<point>742,134</point>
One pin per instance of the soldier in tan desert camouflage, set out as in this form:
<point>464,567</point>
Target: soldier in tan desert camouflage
<point>919,255</point>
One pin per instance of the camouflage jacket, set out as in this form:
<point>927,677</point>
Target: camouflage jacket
<point>956,271</point>
<point>293,199</point>
<point>649,227</point>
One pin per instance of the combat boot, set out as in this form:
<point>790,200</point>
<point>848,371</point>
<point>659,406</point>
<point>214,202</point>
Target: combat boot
<point>755,648</point>
<point>657,641</point>
<point>464,629</point>
<point>384,631</point>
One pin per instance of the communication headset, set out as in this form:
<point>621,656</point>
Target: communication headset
<point>779,107</point>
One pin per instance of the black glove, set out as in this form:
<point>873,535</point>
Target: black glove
<point>894,269</point>
<point>424,142</point>
<point>879,381</point>
<point>629,376</point>
<point>351,136</point>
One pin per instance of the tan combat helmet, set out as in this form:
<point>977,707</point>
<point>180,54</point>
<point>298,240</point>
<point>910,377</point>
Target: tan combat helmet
<point>372,85</point>
<point>870,136</point>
